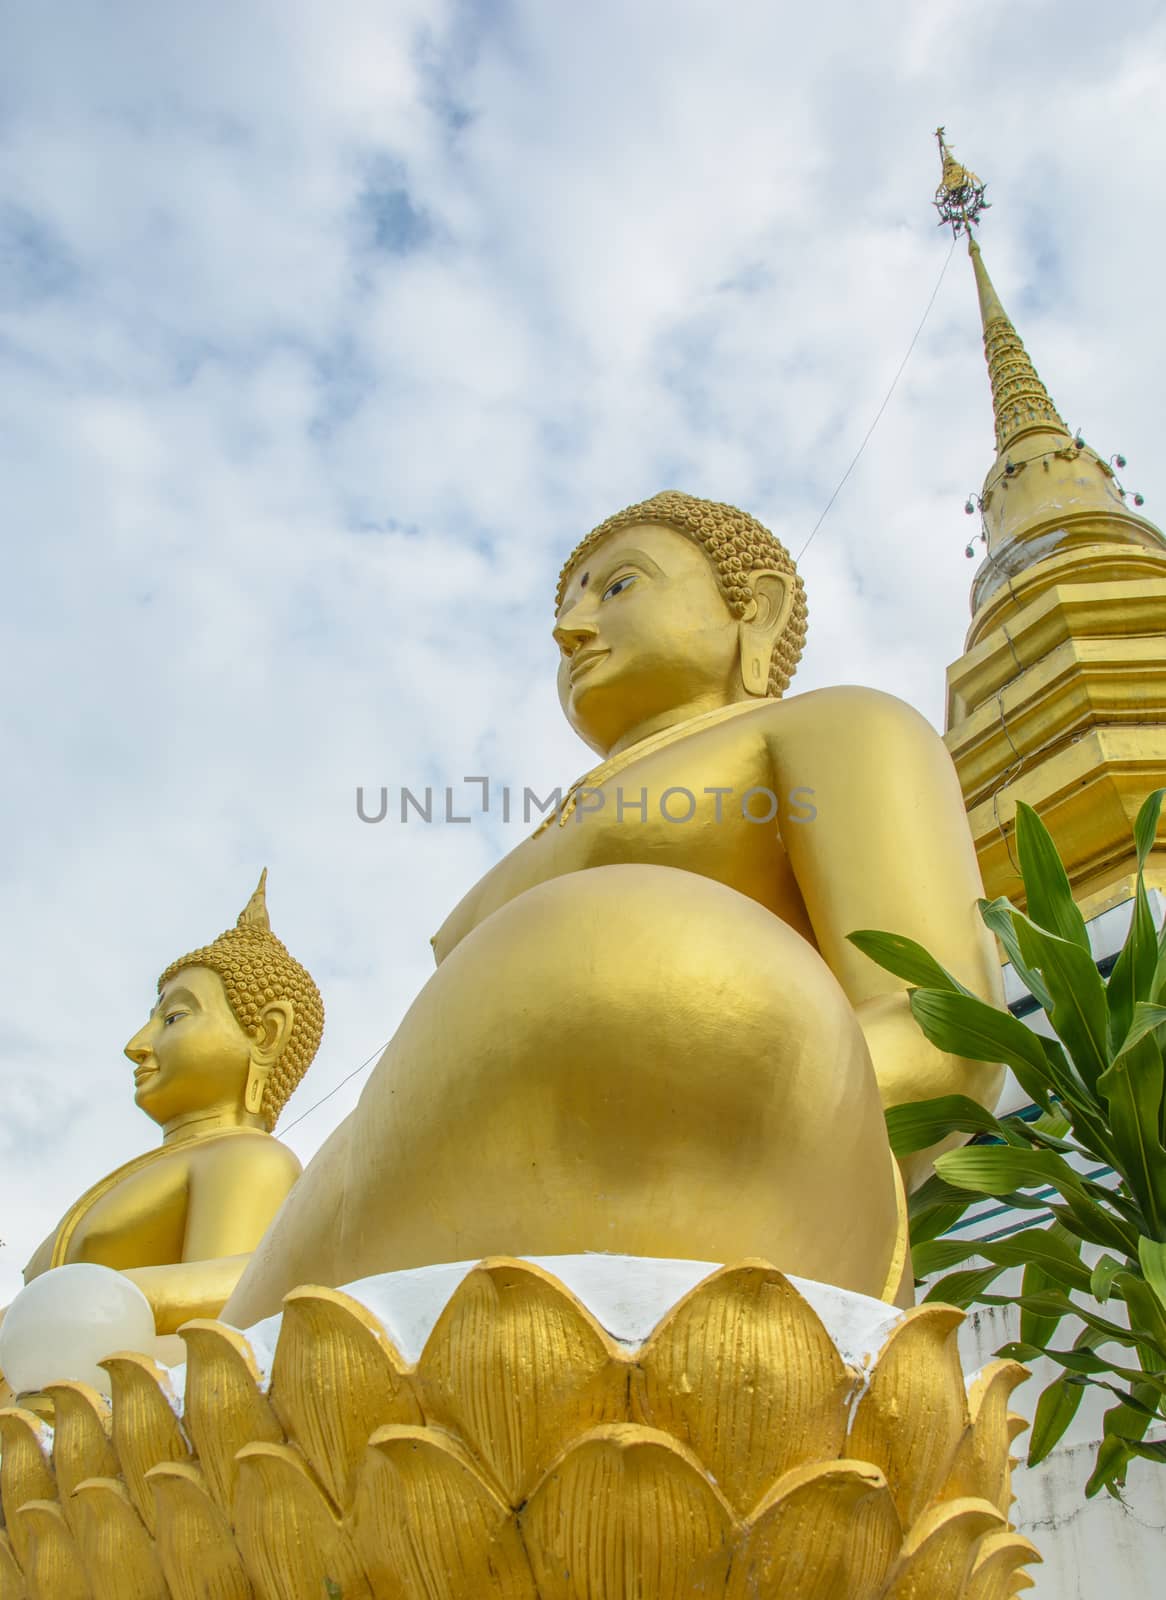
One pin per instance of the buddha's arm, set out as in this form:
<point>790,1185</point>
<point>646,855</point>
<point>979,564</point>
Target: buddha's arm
<point>889,849</point>
<point>236,1188</point>
<point>186,1289</point>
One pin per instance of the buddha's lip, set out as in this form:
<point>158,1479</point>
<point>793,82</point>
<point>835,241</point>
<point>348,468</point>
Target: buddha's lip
<point>584,660</point>
<point>146,1070</point>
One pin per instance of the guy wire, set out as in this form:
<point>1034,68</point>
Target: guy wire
<point>883,407</point>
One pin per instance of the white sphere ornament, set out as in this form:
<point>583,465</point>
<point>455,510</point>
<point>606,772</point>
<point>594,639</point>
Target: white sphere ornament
<point>68,1320</point>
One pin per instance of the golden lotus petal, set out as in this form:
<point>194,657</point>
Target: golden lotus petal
<point>915,1409</point>
<point>117,1551</point>
<point>743,1373</point>
<point>25,1473</point>
<point>290,1538</point>
<point>146,1429</point>
<point>82,1443</point>
<point>980,1469</point>
<point>11,1578</point>
<point>53,1569</point>
<point>828,1531</point>
<point>336,1376</point>
<point>627,1511</point>
<point>996,1573</point>
<point>425,1522</point>
<point>223,1409</point>
<point>938,1552</point>
<point>196,1546</point>
<point>515,1366</point>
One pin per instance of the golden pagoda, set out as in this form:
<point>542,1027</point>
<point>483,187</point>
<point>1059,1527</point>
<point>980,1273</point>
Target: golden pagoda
<point>1059,697</point>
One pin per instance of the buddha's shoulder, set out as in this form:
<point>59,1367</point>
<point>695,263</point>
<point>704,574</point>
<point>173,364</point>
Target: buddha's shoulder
<point>251,1148</point>
<point>848,711</point>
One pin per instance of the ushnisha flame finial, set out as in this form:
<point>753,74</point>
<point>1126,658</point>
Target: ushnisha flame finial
<point>960,196</point>
<point>254,913</point>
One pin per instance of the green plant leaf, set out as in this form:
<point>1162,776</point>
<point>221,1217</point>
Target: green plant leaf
<point>1133,1088</point>
<point>1094,1225</point>
<point>922,1123</point>
<point>1146,826</point>
<point>1077,991</point>
<point>1109,1472</point>
<point>1147,1317</point>
<point>937,1220</point>
<point>1053,1303</point>
<point>1155,1450</point>
<point>1123,1427</point>
<point>1083,1363</point>
<point>1055,1410</point>
<point>906,959</point>
<point>1050,1247</point>
<point>1150,1412</point>
<point>963,1288</point>
<point>998,916</point>
<point>1005,1172</point>
<point>962,1025</point>
<point>1084,1111</point>
<point>1144,1019</point>
<point>1019,1130</point>
<point>930,1256</point>
<point>1132,978</point>
<point>1055,1124</point>
<point>1037,1326</point>
<point>1001,1169</point>
<point>1103,1275</point>
<point>1152,1256</point>
<point>1046,883</point>
<point>934,1208</point>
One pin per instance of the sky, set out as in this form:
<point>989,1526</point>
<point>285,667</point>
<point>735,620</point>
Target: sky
<point>327,331</point>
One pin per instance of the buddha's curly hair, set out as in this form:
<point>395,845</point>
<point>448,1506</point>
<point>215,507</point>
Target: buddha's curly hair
<point>256,968</point>
<point>736,545</point>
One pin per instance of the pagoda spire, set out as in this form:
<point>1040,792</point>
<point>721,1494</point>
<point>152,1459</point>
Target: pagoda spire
<point>1020,402</point>
<point>1059,697</point>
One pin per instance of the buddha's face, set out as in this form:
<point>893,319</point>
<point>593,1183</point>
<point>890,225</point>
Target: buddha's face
<point>644,630</point>
<point>192,1055</point>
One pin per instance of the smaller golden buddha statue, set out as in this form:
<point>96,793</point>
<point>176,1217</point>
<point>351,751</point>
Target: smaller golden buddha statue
<point>235,1027</point>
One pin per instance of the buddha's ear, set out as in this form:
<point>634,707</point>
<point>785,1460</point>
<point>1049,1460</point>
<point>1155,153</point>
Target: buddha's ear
<point>772,598</point>
<point>267,1045</point>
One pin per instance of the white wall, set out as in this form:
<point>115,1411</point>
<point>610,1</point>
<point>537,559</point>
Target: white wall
<point>1099,1549</point>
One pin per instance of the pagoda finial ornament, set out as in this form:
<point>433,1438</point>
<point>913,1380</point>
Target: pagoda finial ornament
<point>960,196</point>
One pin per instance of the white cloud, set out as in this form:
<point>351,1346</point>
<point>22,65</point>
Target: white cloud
<point>327,331</point>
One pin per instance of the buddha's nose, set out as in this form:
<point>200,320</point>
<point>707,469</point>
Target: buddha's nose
<point>137,1049</point>
<point>572,633</point>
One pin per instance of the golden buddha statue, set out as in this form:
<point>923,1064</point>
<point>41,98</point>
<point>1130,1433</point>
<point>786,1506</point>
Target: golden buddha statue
<point>647,1032</point>
<point>234,1029</point>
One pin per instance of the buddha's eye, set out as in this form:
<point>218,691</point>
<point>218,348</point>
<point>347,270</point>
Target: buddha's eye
<point>619,585</point>
<point>173,1016</point>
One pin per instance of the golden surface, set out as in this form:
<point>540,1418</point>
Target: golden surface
<point>651,1036</point>
<point>528,1456</point>
<point>211,1068</point>
<point>1060,699</point>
